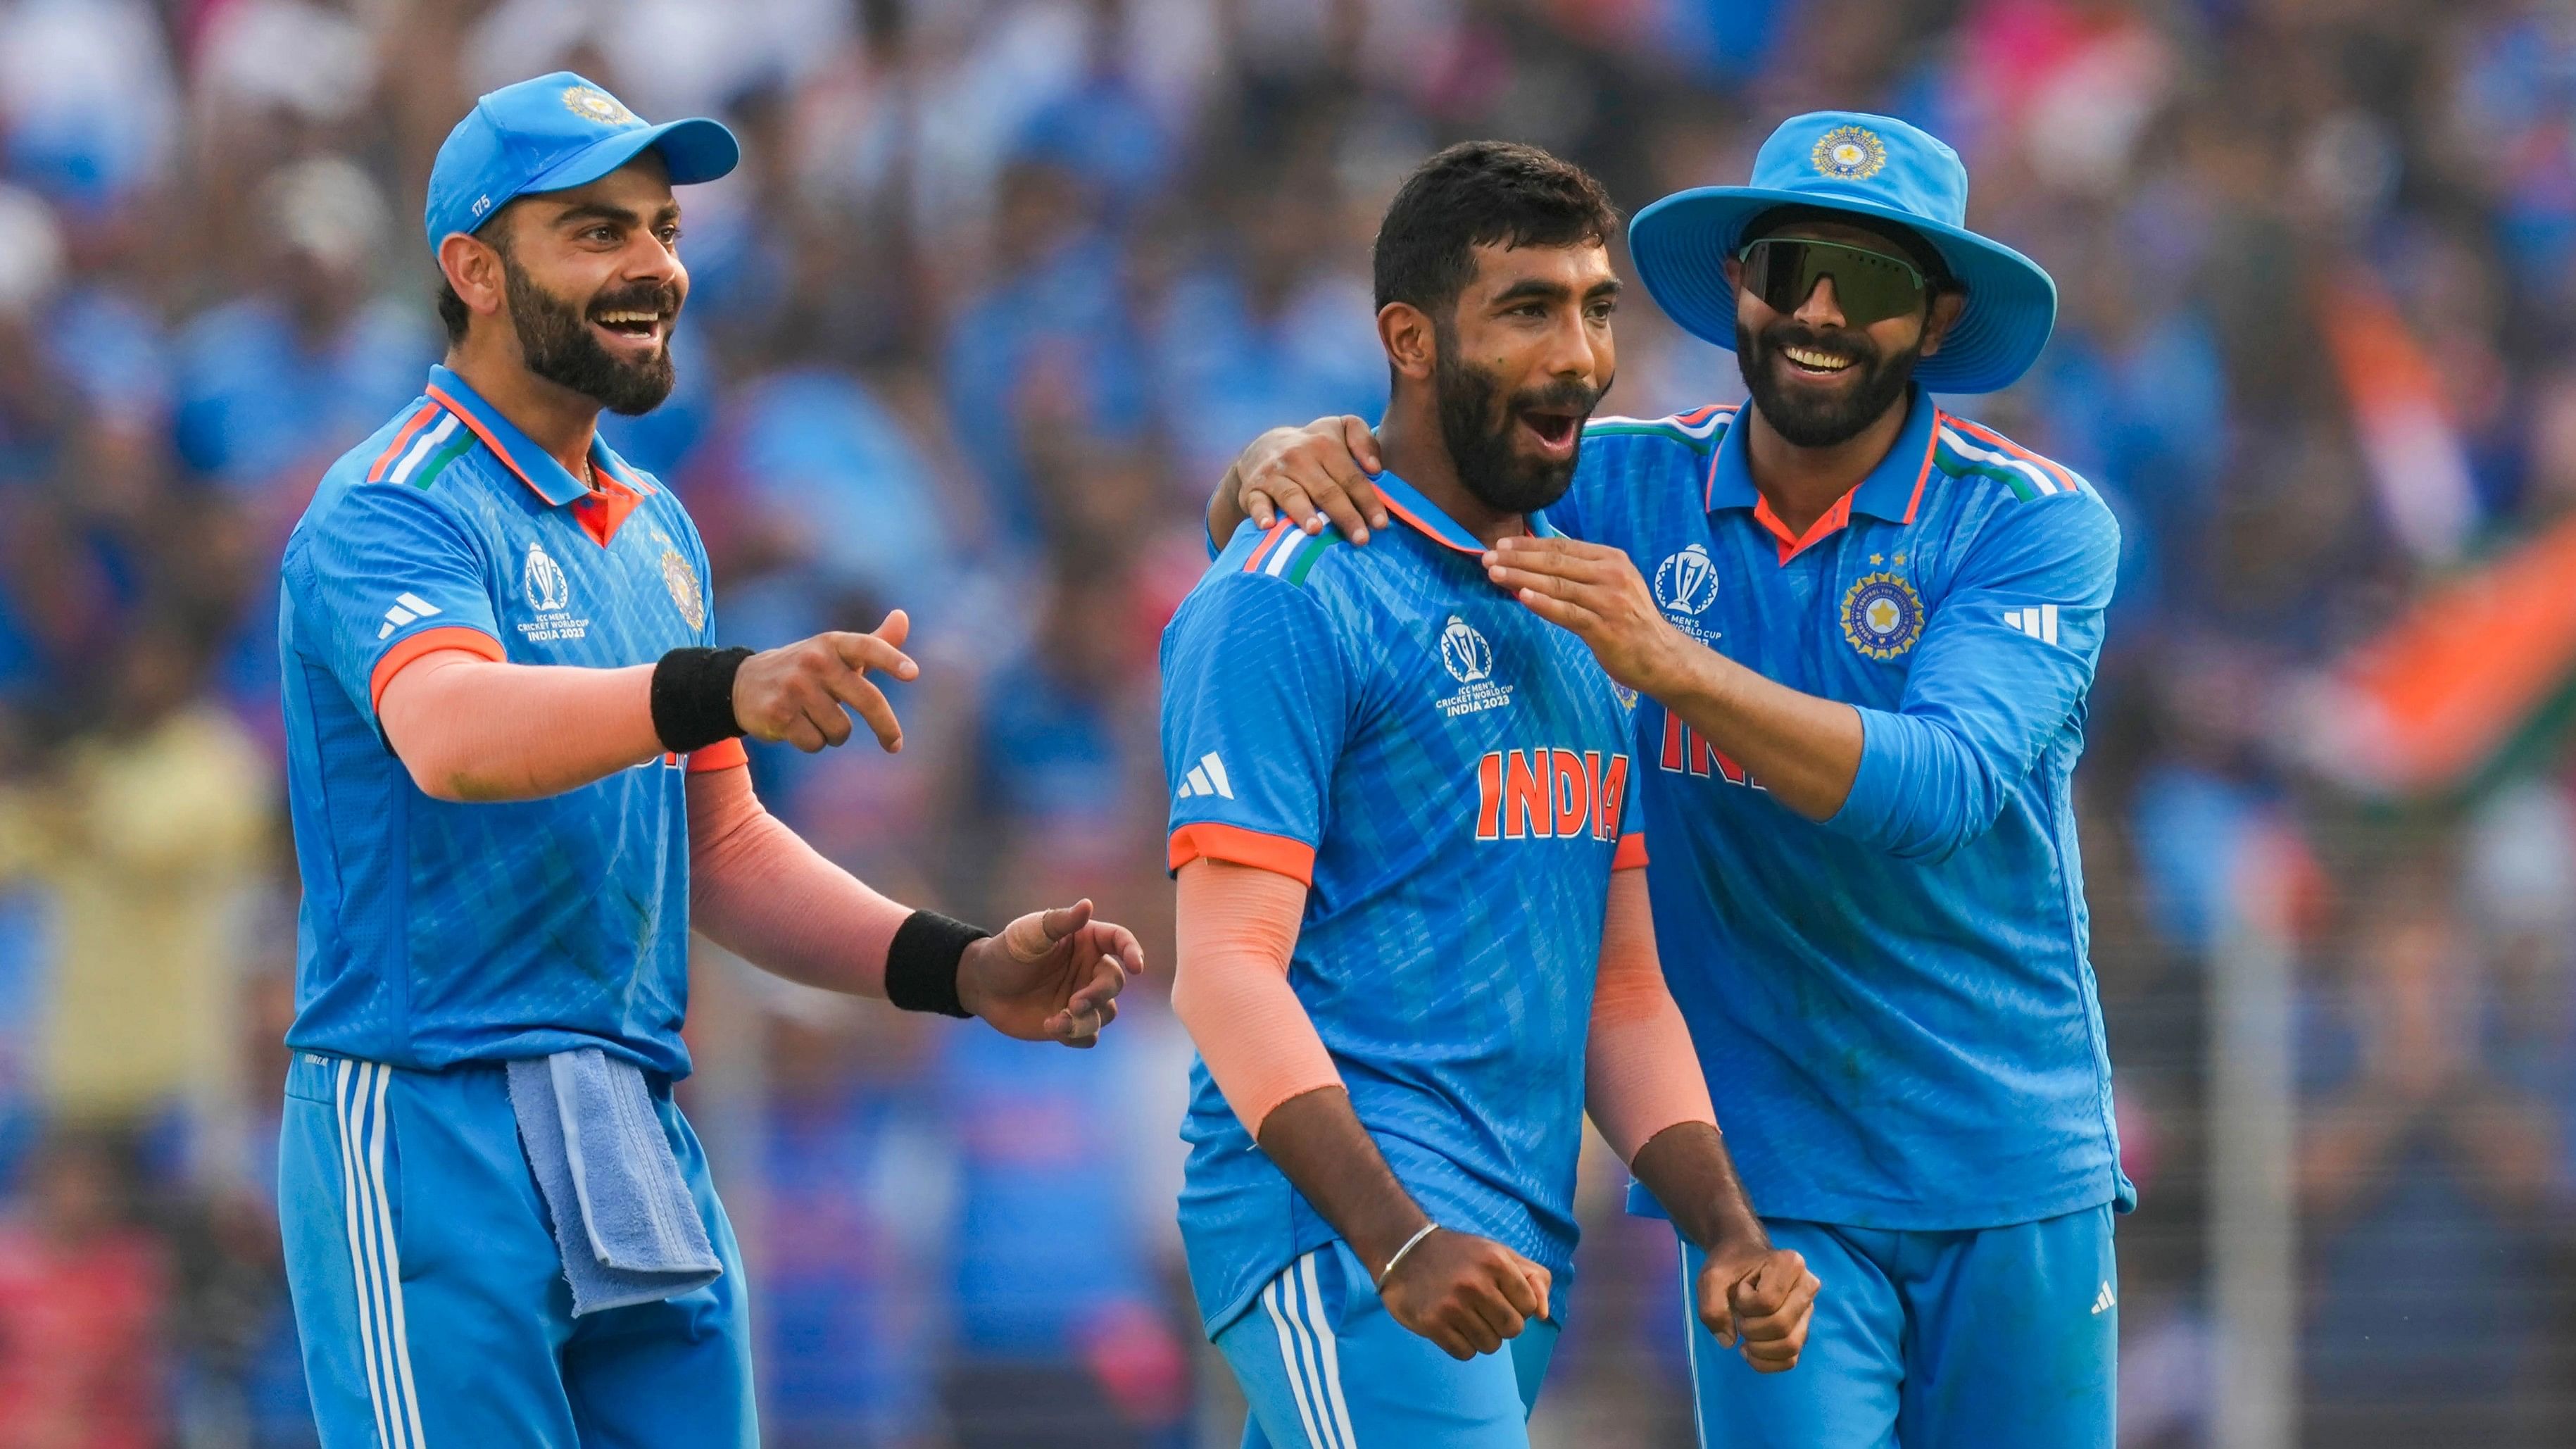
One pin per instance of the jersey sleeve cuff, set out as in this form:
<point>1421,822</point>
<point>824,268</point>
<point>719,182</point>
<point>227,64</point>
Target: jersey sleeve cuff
<point>429,641</point>
<point>722,755</point>
<point>1208,840</point>
<point>1878,786</point>
<point>1631,854</point>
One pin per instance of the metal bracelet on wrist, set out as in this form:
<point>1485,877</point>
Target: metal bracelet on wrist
<point>1393,1263</point>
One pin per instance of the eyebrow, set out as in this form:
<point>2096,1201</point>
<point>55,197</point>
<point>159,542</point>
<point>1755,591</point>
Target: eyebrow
<point>602,211</point>
<point>1536,289</point>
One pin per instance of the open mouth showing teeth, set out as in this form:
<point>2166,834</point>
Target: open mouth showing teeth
<point>1554,429</point>
<point>1809,360</point>
<point>629,323</point>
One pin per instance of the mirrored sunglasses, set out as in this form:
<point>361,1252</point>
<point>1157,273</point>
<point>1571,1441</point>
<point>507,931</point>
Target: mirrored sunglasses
<point>1868,286</point>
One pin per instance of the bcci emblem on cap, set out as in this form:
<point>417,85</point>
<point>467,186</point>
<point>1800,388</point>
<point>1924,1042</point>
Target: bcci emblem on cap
<point>1882,616</point>
<point>1849,153</point>
<point>593,104</point>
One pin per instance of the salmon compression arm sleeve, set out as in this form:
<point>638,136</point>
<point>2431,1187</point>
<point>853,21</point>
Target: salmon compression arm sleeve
<point>473,729</point>
<point>1640,1073</point>
<point>1237,926</point>
<point>758,890</point>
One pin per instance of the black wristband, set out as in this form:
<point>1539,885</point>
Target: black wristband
<point>921,965</point>
<point>693,697</point>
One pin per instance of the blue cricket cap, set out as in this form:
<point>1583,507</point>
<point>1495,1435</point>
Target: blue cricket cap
<point>554,133</point>
<point>1871,166</point>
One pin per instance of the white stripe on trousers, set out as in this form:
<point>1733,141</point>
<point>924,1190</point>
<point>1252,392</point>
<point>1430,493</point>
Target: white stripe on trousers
<point>1306,1347</point>
<point>382,1334</point>
<point>1322,1327</point>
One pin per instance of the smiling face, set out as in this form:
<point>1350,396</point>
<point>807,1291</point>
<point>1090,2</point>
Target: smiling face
<point>592,283</point>
<point>1817,380</point>
<point>1521,360</point>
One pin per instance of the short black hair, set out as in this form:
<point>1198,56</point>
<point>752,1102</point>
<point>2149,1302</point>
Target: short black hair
<point>1478,193</point>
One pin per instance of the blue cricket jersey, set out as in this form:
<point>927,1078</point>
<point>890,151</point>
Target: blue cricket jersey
<point>1449,775</point>
<point>434,933</point>
<point>1895,1007</point>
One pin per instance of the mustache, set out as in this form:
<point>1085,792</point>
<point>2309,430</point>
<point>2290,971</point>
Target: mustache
<point>1836,343</point>
<point>659,297</point>
<point>1565,395</point>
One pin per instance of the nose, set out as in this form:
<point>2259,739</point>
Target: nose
<point>1570,351</point>
<point>1821,309</point>
<point>649,258</point>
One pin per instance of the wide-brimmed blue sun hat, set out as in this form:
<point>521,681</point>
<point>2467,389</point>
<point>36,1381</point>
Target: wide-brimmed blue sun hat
<point>1874,166</point>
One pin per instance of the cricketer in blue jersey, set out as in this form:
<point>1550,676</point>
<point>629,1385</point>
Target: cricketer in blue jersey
<point>516,781</point>
<point>1864,627</point>
<point>1414,939</point>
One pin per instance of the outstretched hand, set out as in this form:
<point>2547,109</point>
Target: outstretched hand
<point>1050,975</point>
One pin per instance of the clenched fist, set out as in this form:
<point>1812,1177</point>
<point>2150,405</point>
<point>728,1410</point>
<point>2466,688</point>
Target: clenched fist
<point>1759,1299</point>
<point>802,693</point>
<point>1465,1293</point>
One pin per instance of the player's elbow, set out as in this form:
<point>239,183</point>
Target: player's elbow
<point>1926,794</point>
<point>456,787</point>
<point>459,782</point>
<point>1191,998</point>
<point>1953,822</point>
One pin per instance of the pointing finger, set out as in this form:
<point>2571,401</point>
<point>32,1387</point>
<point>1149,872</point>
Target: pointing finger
<point>875,651</point>
<point>854,690</point>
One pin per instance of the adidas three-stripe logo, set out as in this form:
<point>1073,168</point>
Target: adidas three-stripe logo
<point>407,607</point>
<point>2038,621</point>
<point>1207,777</point>
<point>2106,1300</point>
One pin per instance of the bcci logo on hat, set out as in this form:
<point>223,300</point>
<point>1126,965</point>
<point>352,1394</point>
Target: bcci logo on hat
<point>593,104</point>
<point>1882,616</point>
<point>1686,583</point>
<point>1849,153</point>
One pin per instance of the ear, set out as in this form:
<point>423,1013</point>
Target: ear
<point>1947,304</point>
<point>1411,342</point>
<point>473,268</point>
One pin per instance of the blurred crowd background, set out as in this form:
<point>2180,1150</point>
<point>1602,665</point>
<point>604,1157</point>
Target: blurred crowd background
<point>1000,289</point>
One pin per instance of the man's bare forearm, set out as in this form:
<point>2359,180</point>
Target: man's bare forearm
<point>1687,1168</point>
<point>1317,1141</point>
<point>1802,748</point>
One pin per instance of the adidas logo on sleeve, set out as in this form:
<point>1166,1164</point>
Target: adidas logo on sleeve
<point>2038,621</point>
<point>1207,777</point>
<point>407,608</point>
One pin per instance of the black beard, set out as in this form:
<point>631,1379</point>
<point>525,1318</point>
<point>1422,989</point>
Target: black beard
<point>1477,424</point>
<point>556,343</point>
<point>1809,422</point>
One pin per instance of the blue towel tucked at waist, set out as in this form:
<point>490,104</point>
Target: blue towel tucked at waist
<point>624,1221</point>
